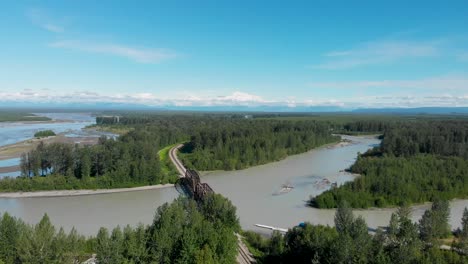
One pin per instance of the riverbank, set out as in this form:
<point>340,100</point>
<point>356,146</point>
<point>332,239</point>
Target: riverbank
<point>15,150</point>
<point>248,189</point>
<point>413,206</point>
<point>28,122</point>
<point>64,193</point>
<point>12,116</point>
<point>339,144</point>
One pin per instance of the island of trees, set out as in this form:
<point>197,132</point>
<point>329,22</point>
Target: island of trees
<point>44,133</point>
<point>417,161</point>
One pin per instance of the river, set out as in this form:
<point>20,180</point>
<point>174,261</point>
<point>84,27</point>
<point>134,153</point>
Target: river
<point>253,191</point>
<point>13,132</point>
<point>69,125</point>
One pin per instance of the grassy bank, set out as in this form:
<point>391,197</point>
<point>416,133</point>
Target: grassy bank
<point>167,167</point>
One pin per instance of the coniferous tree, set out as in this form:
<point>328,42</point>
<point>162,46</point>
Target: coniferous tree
<point>9,234</point>
<point>464,231</point>
<point>344,218</point>
<point>104,247</point>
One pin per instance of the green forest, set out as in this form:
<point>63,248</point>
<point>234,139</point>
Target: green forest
<point>420,159</point>
<point>188,232</point>
<point>212,141</point>
<point>402,241</point>
<point>181,232</point>
<point>131,160</point>
<point>240,144</point>
<point>417,161</point>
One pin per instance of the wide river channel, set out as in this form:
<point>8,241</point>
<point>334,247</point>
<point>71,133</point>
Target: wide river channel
<point>255,192</point>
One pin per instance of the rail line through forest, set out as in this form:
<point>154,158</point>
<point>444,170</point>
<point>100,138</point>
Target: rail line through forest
<point>190,184</point>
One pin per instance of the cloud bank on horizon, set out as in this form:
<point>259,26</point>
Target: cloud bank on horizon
<point>234,54</point>
<point>235,99</point>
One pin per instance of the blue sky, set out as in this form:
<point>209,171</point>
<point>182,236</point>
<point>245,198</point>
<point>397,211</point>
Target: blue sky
<point>248,53</point>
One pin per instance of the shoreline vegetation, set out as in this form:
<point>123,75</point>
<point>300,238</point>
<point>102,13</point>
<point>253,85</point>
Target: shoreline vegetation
<point>134,159</point>
<point>110,128</point>
<point>339,144</point>
<point>431,240</point>
<point>205,231</point>
<point>417,162</point>
<point>167,166</point>
<point>332,145</point>
<point>181,231</point>
<point>16,149</point>
<point>240,144</point>
<point>390,174</point>
<point>44,134</point>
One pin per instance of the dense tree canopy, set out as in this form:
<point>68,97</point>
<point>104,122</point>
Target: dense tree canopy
<point>418,161</point>
<point>44,133</point>
<point>242,143</point>
<point>213,141</point>
<point>41,243</point>
<point>350,242</point>
<point>182,232</point>
<point>130,160</point>
<point>445,138</point>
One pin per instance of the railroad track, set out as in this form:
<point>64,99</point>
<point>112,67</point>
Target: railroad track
<point>243,254</point>
<point>175,160</point>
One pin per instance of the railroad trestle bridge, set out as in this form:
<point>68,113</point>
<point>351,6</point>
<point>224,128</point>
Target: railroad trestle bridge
<point>189,184</point>
<point>192,186</point>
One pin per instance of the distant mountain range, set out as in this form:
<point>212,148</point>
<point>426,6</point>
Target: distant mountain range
<point>418,110</point>
<point>105,106</point>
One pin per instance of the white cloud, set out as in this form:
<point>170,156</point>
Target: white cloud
<point>241,97</point>
<point>40,18</point>
<point>29,95</point>
<point>417,101</point>
<point>141,55</point>
<point>234,99</point>
<point>376,53</point>
<point>454,83</point>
